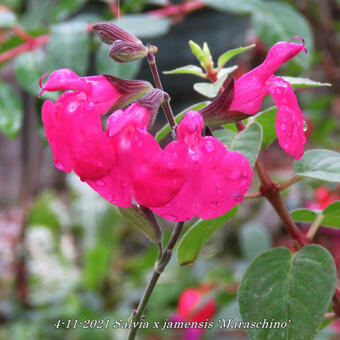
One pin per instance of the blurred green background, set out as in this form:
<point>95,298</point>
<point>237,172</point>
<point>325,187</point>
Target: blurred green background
<point>65,253</point>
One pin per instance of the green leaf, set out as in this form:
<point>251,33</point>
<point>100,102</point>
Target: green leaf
<point>320,164</point>
<point>285,287</point>
<point>105,65</point>
<point>304,215</point>
<point>194,239</point>
<point>254,240</point>
<point>11,110</point>
<point>69,47</point>
<point>277,21</point>
<point>267,120</point>
<point>238,7</point>
<point>210,90</point>
<point>225,57</point>
<point>7,19</point>
<point>331,215</point>
<point>65,8</point>
<point>248,142</point>
<point>188,69</point>
<point>226,136</point>
<point>165,130</point>
<point>143,25</point>
<point>304,82</point>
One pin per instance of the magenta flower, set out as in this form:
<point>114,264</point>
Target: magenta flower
<point>252,87</point>
<point>216,180</point>
<point>73,125</point>
<point>141,168</point>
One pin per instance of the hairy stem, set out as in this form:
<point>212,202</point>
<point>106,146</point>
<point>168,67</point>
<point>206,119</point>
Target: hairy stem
<point>161,263</point>
<point>166,104</point>
<point>314,227</point>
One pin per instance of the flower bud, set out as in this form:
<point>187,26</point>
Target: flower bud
<point>217,112</point>
<point>126,51</point>
<point>152,102</point>
<point>109,33</point>
<point>142,218</point>
<point>130,90</point>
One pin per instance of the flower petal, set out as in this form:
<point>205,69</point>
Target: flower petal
<point>56,136</point>
<point>216,179</point>
<point>289,119</point>
<point>250,89</point>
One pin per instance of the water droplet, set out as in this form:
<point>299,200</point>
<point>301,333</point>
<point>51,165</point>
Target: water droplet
<point>170,166</point>
<point>100,183</point>
<point>124,184</point>
<point>305,126</point>
<point>283,127</point>
<point>235,173</point>
<point>219,188</point>
<point>195,157</point>
<point>59,165</point>
<point>238,199</point>
<point>213,203</point>
<point>209,146</point>
<point>176,154</point>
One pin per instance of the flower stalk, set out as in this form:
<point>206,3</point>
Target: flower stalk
<point>163,259</point>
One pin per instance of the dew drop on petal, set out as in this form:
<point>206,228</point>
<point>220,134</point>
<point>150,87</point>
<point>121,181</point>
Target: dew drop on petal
<point>100,183</point>
<point>238,199</point>
<point>219,188</point>
<point>170,166</point>
<point>305,126</point>
<point>209,146</point>
<point>59,165</point>
<point>235,173</point>
<point>213,203</point>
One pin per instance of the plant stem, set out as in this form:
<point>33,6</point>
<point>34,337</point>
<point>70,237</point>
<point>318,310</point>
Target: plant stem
<point>289,183</point>
<point>271,191</point>
<point>159,268</point>
<point>253,195</point>
<point>314,227</point>
<point>166,104</point>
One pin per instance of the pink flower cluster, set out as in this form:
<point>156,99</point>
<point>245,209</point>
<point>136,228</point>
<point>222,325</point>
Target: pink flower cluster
<point>122,161</point>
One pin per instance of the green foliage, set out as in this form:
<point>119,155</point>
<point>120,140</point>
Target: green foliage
<point>143,25</point>
<point>188,69</point>
<point>199,233</point>
<point>68,47</point>
<point>319,164</point>
<point>65,8</point>
<point>210,90</point>
<point>254,240</point>
<point>331,215</point>
<point>248,142</point>
<point>267,119</point>
<point>10,110</point>
<point>294,288</point>
<point>226,56</point>
<point>304,82</point>
<point>273,21</point>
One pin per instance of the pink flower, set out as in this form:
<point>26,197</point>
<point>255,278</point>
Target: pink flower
<point>252,87</point>
<point>189,310</point>
<point>73,124</point>
<point>216,180</point>
<point>141,168</point>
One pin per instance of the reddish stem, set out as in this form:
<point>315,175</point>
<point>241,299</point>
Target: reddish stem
<point>21,33</point>
<point>115,8</point>
<point>178,9</point>
<point>27,46</point>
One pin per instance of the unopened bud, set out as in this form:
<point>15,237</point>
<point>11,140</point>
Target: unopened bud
<point>152,101</point>
<point>143,219</point>
<point>126,51</point>
<point>217,112</point>
<point>109,33</point>
<point>130,90</point>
